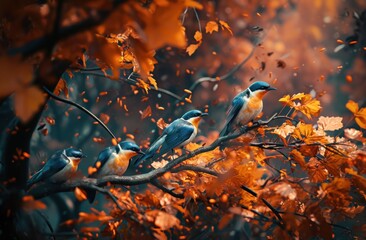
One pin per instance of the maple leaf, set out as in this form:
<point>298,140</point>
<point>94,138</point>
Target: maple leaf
<point>226,26</point>
<point>211,27</point>
<point>298,157</point>
<point>317,171</point>
<point>307,105</point>
<point>359,114</point>
<point>330,123</point>
<point>27,102</point>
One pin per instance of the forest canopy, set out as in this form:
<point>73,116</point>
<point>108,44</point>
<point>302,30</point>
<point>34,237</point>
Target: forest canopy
<point>105,80</point>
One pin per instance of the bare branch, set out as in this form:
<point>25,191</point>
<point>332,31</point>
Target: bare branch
<point>164,189</point>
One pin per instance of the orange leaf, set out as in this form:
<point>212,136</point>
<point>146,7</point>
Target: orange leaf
<point>352,106</point>
<point>211,27</point>
<point>61,87</point>
<point>298,157</point>
<point>27,101</point>
<point>316,170</point>
<point>146,113</point>
<point>161,123</point>
<point>80,194</point>
<point>104,117</point>
<point>198,36</point>
<point>226,26</point>
<point>30,204</point>
<point>192,48</point>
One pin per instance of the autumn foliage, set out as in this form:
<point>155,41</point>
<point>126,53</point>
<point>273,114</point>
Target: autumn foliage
<point>297,172</point>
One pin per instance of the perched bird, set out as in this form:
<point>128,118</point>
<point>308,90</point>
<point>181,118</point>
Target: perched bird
<point>178,134</point>
<point>113,161</point>
<point>59,168</point>
<point>246,106</point>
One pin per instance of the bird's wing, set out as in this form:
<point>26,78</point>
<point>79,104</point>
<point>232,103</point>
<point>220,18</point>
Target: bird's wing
<point>54,164</point>
<point>104,156</point>
<point>151,152</point>
<point>180,132</point>
<point>236,106</point>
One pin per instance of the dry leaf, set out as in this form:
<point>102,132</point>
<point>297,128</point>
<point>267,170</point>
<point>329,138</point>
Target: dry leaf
<point>226,26</point>
<point>211,27</point>
<point>104,117</point>
<point>330,123</point>
<point>146,113</point>
<point>80,194</point>
<point>192,48</point>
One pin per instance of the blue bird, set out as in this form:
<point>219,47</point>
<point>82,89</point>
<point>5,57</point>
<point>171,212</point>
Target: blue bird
<point>113,161</point>
<point>246,106</point>
<point>178,134</point>
<point>60,167</point>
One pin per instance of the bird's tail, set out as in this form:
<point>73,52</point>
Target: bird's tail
<point>91,195</point>
<point>141,158</point>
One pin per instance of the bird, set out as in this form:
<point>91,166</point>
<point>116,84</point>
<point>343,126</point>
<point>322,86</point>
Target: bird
<point>59,168</point>
<point>245,106</point>
<point>178,134</point>
<point>113,160</point>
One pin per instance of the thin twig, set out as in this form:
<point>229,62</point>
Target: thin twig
<point>164,189</point>
<point>108,193</point>
<point>81,108</point>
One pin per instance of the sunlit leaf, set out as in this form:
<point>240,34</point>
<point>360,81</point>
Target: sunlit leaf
<point>330,123</point>
<point>211,27</point>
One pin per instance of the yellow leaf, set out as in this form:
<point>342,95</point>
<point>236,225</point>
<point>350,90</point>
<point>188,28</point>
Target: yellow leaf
<point>153,82</point>
<point>198,36</point>
<point>226,26</point>
<point>352,106</point>
<point>27,102</point>
<point>284,130</point>
<point>330,123</point>
<point>287,101</point>
<point>359,114</point>
<point>192,48</point>
<point>360,118</point>
<point>303,131</point>
<point>212,26</point>
<point>309,106</point>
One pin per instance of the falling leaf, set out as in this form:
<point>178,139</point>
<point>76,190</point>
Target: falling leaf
<point>146,113</point>
<point>198,36</point>
<point>161,123</point>
<point>192,48</point>
<point>80,194</point>
<point>30,204</point>
<point>330,123</point>
<point>105,118</point>
<point>27,102</point>
<point>211,27</point>
<point>226,26</point>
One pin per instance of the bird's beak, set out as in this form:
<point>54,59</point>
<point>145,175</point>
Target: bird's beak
<point>204,114</point>
<point>271,88</point>
<point>83,156</point>
<point>141,152</point>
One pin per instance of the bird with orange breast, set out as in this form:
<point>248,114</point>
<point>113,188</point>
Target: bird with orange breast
<point>246,106</point>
